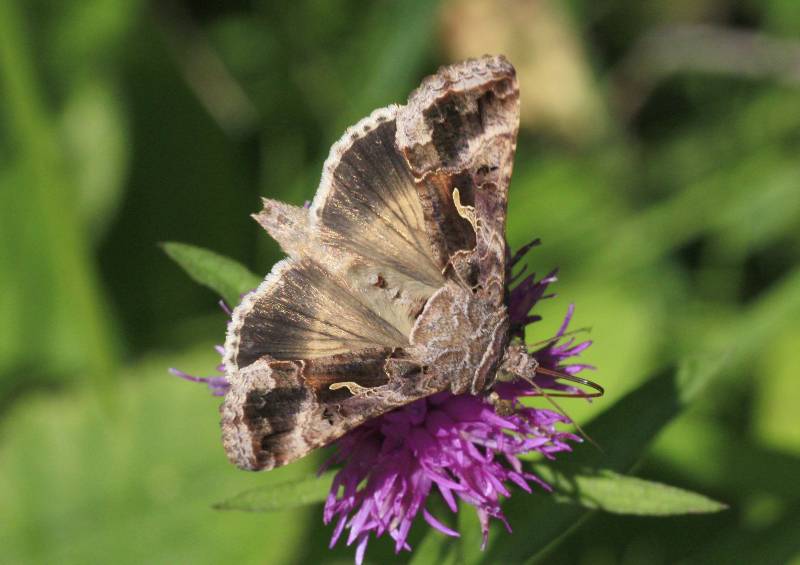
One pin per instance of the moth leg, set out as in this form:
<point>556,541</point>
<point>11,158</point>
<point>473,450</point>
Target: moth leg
<point>466,212</point>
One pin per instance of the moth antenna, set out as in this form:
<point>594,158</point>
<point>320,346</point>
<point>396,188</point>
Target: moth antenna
<point>561,411</point>
<point>598,390</point>
<point>520,364</point>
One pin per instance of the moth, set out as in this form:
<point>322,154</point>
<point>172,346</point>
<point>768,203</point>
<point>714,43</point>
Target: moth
<point>394,287</point>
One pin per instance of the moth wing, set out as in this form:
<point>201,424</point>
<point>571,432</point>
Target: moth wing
<point>300,332</point>
<point>366,223</point>
<point>459,131</point>
<point>336,311</point>
<point>279,411</point>
<point>367,201</point>
<point>301,311</point>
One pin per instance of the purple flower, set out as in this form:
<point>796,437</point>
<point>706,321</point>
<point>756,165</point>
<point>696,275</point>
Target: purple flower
<point>218,384</point>
<point>454,444</point>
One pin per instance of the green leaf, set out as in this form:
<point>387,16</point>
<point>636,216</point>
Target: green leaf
<point>603,489</point>
<point>229,278</point>
<point>281,496</point>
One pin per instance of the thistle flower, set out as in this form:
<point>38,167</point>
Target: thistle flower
<point>459,446</point>
<point>217,384</point>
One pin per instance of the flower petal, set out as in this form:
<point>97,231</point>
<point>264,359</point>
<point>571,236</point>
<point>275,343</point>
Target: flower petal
<point>438,525</point>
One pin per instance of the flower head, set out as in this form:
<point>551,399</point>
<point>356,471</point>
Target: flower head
<point>456,445</point>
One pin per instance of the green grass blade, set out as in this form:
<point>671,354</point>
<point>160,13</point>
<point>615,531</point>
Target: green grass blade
<point>76,302</point>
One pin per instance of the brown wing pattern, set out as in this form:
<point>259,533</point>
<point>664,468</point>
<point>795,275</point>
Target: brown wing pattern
<point>366,223</point>
<point>360,270</point>
<point>278,411</point>
<point>301,311</point>
<point>459,130</point>
<point>342,330</point>
<point>368,204</point>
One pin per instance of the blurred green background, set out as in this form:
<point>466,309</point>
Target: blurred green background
<point>658,160</point>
